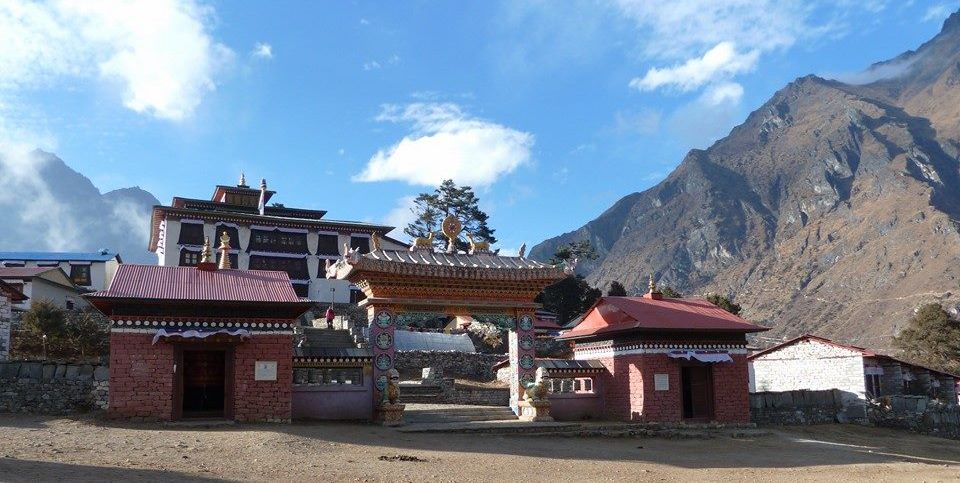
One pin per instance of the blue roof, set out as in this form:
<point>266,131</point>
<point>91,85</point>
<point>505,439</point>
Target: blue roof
<point>100,256</point>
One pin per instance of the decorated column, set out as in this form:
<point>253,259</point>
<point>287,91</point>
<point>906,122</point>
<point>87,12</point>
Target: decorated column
<point>522,358</point>
<point>382,331</point>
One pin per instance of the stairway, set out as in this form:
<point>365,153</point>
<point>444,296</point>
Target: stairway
<point>416,393</point>
<point>327,338</point>
<point>450,413</point>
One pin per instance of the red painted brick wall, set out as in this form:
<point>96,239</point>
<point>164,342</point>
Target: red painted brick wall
<point>141,377</point>
<point>630,396</point>
<point>731,391</point>
<point>263,400</point>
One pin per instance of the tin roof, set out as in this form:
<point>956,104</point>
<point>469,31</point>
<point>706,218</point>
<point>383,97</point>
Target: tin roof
<point>99,256</point>
<point>629,314</point>
<point>11,292</point>
<point>441,264</point>
<point>50,274</point>
<point>189,283</point>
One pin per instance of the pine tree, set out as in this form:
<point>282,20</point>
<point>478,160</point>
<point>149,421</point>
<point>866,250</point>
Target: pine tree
<point>450,199</point>
<point>932,339</point>
<point>577,250</point>
<point>568,298</point>
<point>616,289</point>
<point>724,303</point>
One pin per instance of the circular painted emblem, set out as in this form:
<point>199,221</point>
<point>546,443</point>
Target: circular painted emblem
<point>383,362</point>
<point>384,320</point>
<point>527,362</point>
<point>382,383</point>
<point>526,323</point>
<point>384,340</point>
<point>526,342</point>
<point>527,378</point>
<point>451,227</point>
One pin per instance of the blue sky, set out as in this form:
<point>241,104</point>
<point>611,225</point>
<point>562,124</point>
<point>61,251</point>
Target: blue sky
<point>551,110</point>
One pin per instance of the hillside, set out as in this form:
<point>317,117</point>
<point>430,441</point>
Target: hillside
<point>832,209</point>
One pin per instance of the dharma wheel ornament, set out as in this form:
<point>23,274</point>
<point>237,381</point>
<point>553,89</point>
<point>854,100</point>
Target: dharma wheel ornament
<point>451,229</point>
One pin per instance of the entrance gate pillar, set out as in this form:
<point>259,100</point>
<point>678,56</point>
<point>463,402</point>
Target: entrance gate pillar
<point>523,363</point>
<point>383,326</point>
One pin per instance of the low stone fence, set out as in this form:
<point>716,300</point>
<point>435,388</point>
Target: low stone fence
<point>478,396</point>
<point>465,365</point>
<point>916,413</point>
<point>796,407</point>
<point>51,388</point>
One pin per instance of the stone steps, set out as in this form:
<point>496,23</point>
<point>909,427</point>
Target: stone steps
<point>443,414</point>
<point>327,338</point>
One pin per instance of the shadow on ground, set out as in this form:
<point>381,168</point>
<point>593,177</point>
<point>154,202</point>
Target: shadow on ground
<point>31,471</point>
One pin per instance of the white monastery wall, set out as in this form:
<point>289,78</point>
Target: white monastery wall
<point>809,365</point>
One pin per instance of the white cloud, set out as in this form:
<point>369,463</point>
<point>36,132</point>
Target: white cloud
<point>939,12</point>
<point>722,61</point>
<point>722,93</point>
<point>160,52</point>
<point>401,215</point>
<point>447,143</point>
<point>886,70</point>
<point>708,118</point>
<point>262,51</point>
<point>371,65</point>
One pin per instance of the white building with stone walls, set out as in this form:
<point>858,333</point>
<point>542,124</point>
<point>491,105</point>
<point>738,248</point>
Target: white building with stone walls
<point>264,237</point>
<point>8,296</point>
<point>814,363</point>
<point>89,271</point>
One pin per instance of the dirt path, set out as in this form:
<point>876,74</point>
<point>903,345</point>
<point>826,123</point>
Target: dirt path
<point>44,449</point>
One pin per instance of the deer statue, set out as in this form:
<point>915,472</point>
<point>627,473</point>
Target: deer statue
<point>422,243</point>
<point>478,246</point>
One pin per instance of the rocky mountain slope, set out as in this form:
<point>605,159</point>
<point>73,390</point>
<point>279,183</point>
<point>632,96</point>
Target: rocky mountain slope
<point>832,209</point>
<point>46,205</point>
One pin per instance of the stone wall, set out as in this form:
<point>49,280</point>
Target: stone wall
<point>465,365</point>
<point>916,413</point>
<point>797,407</point>
<point>6,314</point>
<point>48,388</point>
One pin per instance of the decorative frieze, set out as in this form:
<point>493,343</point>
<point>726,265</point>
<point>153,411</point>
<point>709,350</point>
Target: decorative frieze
<point>253,324</point>
<point>584,351</point>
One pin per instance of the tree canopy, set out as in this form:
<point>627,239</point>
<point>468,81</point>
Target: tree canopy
<point>577,250</point>
<point>568,298</point>
<point>69,334</point>
<point>670,293</point>
<point>724,303</point>
<point>450,199</point>
<point>616,289</point>
<point>932,338</point>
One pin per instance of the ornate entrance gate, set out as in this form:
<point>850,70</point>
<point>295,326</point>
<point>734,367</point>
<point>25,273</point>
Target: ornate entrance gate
<point>405,286</point>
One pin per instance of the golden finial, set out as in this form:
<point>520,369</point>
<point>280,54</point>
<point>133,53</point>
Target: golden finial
<point>375,242</point>
<point>243,180</point>
<point>653,285</point>
<point>206,254</point>
<point>263,184</point>
<point>224,251</point>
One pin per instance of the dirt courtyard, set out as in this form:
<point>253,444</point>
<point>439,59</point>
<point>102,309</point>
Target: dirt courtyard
<point>36,448</point>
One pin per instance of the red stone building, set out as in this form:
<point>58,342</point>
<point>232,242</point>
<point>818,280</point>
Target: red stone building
<point>667,360</point>
<point>200,342</point>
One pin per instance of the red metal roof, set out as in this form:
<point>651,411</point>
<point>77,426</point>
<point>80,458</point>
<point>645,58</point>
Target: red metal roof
<point>626,314</point>
<point>189,283</point>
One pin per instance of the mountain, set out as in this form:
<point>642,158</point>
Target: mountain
<point>46,205</point>
<point>832,209</point>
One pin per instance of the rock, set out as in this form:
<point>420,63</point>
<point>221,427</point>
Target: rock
<point>102,373</point>
<point>31,370</point>
<point>85,373</point>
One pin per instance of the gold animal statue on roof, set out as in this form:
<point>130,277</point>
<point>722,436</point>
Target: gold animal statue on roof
<point>478,246</point>
<point>375,242</point>
<point>422,242</point>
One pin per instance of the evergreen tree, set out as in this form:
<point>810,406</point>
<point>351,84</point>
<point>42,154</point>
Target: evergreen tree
<point>450,199</point>
<point>578,250</point>
<point>932,339</point>
<point>670,293</point>
<point>724,303</point>
<point>568,298</point>
<point>616,290</point>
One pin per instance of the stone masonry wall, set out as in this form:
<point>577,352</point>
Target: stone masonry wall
<point>141,377</point>
<point>814,366</point>
<point>796,407</point>
<point>465,365</point>
<point>265,401</point>
<point>6,313</point>
<point>50,388</point>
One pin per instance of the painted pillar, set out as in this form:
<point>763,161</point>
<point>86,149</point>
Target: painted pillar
<point>6,313</point>
<point>382,331</point>
<point>522,357</point>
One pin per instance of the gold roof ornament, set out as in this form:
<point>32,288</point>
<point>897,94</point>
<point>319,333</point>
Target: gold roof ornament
<point>375,242</point>
<point>224,249</point>
<point>243,180</point>
<point>478,246</point>
<point>451,228</point>
<point>652,284</point>
<point>206,254</point>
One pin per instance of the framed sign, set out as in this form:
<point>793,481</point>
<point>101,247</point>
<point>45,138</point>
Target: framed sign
<point>661,382</point>
<point>265,371</point>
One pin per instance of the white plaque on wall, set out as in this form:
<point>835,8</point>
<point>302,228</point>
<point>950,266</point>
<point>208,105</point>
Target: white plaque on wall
<point>265,371</point>
<point>661,382</point>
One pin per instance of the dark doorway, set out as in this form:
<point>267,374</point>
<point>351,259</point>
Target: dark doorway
<point>697,384</point>
<point>204,383</point>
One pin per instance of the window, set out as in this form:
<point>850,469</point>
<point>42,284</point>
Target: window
<point>302,289</point>
<point>363,243</point>
<point>356,295</point>
<point>191,234</point>
<point>231,232</point>
<point>12,264</point>
<point>873,385</point>
<point>295,267</point>
<point>189,259</point>
<point>278,241</point>
<point>327,245</point>
<point>80,274</point>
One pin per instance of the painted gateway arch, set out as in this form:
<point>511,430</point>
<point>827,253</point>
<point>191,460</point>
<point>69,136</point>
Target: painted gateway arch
<point>406,286</point>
